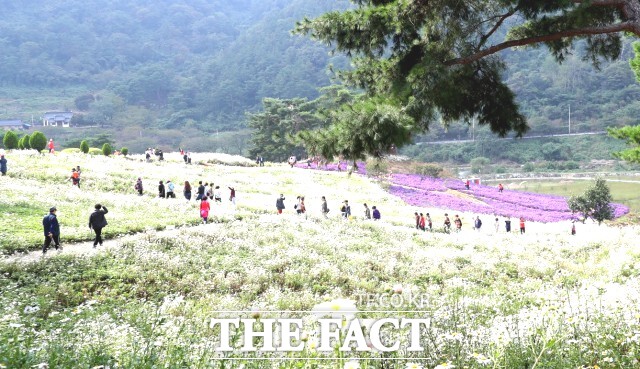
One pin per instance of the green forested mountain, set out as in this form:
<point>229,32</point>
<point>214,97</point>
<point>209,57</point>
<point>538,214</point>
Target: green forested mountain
<point>187,68</point>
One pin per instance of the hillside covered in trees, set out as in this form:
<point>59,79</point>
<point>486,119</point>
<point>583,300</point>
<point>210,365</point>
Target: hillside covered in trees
<point>186,72</point>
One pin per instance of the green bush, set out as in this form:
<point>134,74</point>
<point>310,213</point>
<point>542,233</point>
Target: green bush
<point>478,164</point>
<point>10,140</point>
<point>124,151</point>
<point>106,149</point>
<point>528,167</point>
<point>84,146</point>
<point>71,150</point>
<point>38,141</point>
<point>21,143</point>
<point>25,142</point>
<point>95,151</point>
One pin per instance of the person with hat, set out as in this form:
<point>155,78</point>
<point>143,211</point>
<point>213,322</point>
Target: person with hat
<point>51,230</point>
<point>97,221</point>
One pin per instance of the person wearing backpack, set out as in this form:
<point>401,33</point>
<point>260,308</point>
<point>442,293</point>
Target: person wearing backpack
<point>97,221</point>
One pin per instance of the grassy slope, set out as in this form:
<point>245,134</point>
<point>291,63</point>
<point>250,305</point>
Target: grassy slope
<point>145,302</point>
<point>623,192</point>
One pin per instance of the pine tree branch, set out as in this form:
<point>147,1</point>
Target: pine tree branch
<point>614,28</point>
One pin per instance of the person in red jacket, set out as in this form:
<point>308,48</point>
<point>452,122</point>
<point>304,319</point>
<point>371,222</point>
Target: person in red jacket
<point>422,222</point>
<point>204,209</point>
<point>51,146</point>
<point>521,225</point>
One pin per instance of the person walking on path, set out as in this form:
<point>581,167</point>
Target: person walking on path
<point>138,187</point>
<point>51,146</point>
<point>200,191</point>
<point>367,212</point>
<point>477,224</point>
<point>507,225</point>
<point>429,223</point>
<point>376,213</point>
<point>325,208</point>
<point>521,225</point>
<point>79,175</point>
<point>204,209</point>
<point>417,217</point>
<point>280,204</point>
<point>447,223</point>
<point>497,225</point>
<point>345,210</point>
<point>573,228</point>
<point>97,221</point>
<point>51,230</point>
<point>458,223</point>
<point>187,190</point>
<point>170,190</point>
<point>217,194</point>
<point>3,165</point>
<point>161,190</point>
<point>232,195</point>
<point>422,222</point>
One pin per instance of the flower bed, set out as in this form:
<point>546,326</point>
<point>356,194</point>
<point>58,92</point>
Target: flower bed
<point>434,192</point>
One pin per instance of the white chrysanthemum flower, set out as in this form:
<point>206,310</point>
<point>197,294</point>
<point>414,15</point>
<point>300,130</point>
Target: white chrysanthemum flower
<point>353,364</point>
<point>414,366</point>
<point>446,365</point>
<point>337,308</point>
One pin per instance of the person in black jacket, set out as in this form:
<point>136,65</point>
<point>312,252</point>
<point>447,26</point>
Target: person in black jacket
<point>51,230</point>
<point>97,221</point>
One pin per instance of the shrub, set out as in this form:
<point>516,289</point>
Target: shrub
<point>84,146</point>
<point>106,149</point>
<point>95,151</point>
<point>21,143</point>
<point>595,203</point>
<point>25,142</point>
<point>428,170</point>
<point>529,167</point>
<point>377,167</point>
<point>478,164</point>
<point>124,151</point>
<point>10,140</point>
<point>38,141</point>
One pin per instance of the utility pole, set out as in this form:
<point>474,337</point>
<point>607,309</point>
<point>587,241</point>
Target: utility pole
<point>569,118</point>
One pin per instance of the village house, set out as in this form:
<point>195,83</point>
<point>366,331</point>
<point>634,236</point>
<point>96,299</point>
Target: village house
<point>16,124</point>
<point>57,118</point>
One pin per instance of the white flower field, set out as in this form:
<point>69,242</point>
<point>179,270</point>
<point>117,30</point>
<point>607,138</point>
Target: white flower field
<point>149,296</point>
